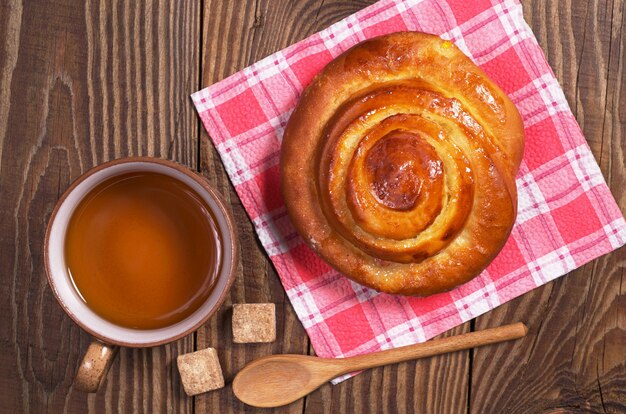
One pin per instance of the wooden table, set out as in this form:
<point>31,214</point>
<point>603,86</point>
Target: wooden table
<point>83,82</point>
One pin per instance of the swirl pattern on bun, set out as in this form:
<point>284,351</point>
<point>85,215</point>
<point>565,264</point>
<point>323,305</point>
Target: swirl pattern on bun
<point>398,165</point>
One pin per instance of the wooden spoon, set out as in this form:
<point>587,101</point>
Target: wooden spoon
<point>277,380</point>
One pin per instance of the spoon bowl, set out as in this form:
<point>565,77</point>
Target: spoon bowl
<point>282,379</point>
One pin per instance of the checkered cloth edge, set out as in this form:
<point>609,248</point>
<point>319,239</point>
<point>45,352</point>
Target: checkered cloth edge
<point>567,215</point>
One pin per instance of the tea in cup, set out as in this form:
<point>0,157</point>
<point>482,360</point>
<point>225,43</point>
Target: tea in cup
<point>139,252</point>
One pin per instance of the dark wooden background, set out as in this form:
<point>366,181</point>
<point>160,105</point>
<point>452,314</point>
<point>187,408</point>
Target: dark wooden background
<point>83,82</point>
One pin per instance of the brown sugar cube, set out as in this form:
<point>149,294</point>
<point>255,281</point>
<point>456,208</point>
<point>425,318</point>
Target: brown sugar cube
<point>200,371</point>
<point>254,322</point>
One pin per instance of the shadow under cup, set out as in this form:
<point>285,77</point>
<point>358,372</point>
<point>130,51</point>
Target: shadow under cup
<point>61,282</point>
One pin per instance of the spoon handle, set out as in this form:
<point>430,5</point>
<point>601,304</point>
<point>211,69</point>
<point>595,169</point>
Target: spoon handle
<point>434,347</point>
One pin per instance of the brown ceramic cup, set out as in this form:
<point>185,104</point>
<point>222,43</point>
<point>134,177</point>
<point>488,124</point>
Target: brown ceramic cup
<point>109,335</point>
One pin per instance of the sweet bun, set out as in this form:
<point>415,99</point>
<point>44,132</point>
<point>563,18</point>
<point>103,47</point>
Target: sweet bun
<point>398,165</point>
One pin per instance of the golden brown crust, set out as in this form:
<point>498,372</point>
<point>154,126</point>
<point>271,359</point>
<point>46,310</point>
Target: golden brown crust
<point>398,165</point>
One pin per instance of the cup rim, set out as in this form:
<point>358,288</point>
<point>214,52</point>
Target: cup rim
<point>230,224</point>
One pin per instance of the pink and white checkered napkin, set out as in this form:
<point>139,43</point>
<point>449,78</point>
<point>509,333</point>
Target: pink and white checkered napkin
<point>567,216</point>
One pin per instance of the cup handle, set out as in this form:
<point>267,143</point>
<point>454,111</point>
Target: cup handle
<point>94,366</point>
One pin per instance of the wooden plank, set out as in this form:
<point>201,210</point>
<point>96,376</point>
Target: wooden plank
<point>82,83</point>
<point>235,36</point>
<point>574,358</point>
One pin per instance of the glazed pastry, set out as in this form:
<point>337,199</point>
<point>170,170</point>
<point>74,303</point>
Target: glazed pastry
<point>398,165</point>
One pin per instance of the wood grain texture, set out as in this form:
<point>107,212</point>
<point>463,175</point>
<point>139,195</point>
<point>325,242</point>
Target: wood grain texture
<point>85,82</point>
<point>82,83</point>
<point>575,357</point>
<point>235,34</point>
